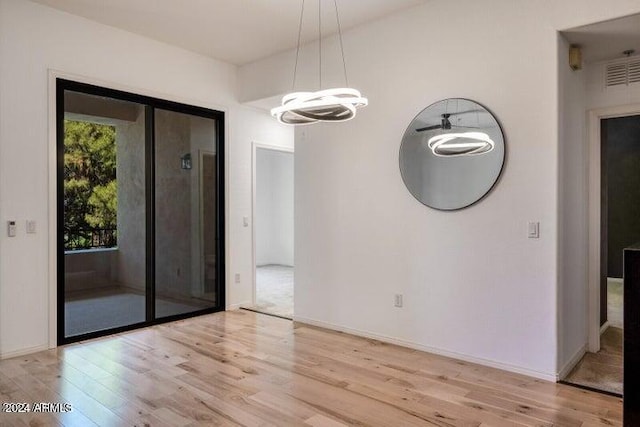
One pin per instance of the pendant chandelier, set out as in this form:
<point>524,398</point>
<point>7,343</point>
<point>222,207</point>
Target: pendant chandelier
<point>328,105</point>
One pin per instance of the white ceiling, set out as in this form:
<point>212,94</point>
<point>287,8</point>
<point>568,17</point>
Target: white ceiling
<point>235,31</point>
<point>607,40</point>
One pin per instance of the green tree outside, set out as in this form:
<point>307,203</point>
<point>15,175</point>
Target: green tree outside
<point>90,185</point>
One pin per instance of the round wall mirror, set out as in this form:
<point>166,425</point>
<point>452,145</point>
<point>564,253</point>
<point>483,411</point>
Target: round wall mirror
<point>452,154</point>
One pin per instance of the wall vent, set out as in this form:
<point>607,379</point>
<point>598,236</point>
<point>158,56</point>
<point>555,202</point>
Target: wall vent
<point>622,73</point>
<point>634,71</point>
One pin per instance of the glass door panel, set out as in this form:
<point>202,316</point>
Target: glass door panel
<point>103,213</point>
<point>186,220</point>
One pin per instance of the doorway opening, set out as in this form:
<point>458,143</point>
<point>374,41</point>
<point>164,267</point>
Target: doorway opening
<point>619,203</point>
<point>599,166</point>
<point>273,216</point>
<point>140,211</point>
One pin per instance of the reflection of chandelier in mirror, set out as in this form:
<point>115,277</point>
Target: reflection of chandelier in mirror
<point>330,105</point>
<point>460,144</point>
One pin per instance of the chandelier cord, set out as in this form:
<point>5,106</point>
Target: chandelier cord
<point>344,64</point>
<point>320,43</point>
<point>329,105</point>
<point>295,68</point>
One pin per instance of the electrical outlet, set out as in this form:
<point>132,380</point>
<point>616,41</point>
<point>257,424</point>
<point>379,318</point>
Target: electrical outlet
<point>397,301</point>
<point>237,277</point>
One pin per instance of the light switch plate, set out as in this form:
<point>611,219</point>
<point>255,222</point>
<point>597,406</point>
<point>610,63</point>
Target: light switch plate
<point>397,300</point>
<point>533,230</point>
<point>31,226</point>
<point>11,228</point>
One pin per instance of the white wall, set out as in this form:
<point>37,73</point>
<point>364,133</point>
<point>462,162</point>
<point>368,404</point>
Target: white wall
<point>274,207</point>
<point>35,39</point>
<point>573,156</point>
<point>474,286</point>
<point>240,180</point>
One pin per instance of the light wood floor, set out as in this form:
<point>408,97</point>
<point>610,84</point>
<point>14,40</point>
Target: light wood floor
<point>243,368</point>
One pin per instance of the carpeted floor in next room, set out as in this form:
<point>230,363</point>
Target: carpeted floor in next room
<point>274,290</point>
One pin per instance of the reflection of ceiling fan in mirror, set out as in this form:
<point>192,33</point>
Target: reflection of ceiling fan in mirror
<point>445,123</point>
<point>451,142</point>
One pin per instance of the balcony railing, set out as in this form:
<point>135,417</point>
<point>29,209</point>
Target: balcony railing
<point>90,238</point>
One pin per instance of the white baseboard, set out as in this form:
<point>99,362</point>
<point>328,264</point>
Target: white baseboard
<point>23,352</point>
<point>238,306</point>
<point>604,327</point>
<point>577,357</point>
<point>409,344</point>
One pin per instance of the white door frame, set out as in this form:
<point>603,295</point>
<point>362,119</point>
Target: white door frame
<point>254,148</point>
<point>594,135</point>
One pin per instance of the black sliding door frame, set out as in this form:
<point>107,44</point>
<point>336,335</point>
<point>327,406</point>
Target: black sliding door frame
<point>150,104</point>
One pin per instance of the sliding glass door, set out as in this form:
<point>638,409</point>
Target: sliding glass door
<point>140,211</point>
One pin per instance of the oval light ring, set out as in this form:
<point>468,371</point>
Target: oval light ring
<point>330,105</point>
<point>460,144</point>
